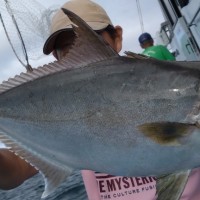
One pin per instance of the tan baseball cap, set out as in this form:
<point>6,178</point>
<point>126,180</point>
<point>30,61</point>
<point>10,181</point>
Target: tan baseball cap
<point>93,14</point>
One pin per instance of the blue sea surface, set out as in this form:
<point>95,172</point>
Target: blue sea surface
<point>32,189</point>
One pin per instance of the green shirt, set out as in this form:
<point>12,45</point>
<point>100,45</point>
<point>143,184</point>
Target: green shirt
<point>159,52</point>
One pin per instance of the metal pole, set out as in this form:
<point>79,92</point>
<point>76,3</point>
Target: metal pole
<point>140,15</point>
<point>28,66</point>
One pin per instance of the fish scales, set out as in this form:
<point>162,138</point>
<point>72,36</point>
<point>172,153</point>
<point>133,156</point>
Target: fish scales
<point>97,101</point>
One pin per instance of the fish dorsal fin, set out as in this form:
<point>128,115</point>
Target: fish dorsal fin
<point>136,55</point>
<point>170,187</point>
<point>53,174</point>
<point>88,48</point>
<point>96,45</point>
<point>167,133</point>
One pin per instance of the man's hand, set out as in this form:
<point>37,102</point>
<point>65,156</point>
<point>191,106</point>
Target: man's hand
<point>13,170</point>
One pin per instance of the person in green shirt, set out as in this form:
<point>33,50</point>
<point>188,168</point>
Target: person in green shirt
<point>155,51</point>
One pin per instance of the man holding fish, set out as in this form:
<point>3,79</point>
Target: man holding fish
<point>14,170</point>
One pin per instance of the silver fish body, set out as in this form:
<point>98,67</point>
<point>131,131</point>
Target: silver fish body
<point>92,114</point>
<point>88,117</point>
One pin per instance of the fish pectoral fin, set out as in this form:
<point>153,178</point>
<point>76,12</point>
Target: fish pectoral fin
<point>171,187</point>
<point>53,173</point>
<point>167,133</point>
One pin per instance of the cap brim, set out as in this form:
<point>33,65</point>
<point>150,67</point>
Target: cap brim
<point>50,42</point>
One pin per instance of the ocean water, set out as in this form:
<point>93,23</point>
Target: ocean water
<point>32,189</point>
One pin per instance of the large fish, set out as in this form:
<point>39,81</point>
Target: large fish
<point>100,111</point>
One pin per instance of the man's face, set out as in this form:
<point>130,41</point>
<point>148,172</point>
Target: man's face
<point>147,44</point>
<point>63,45</point>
